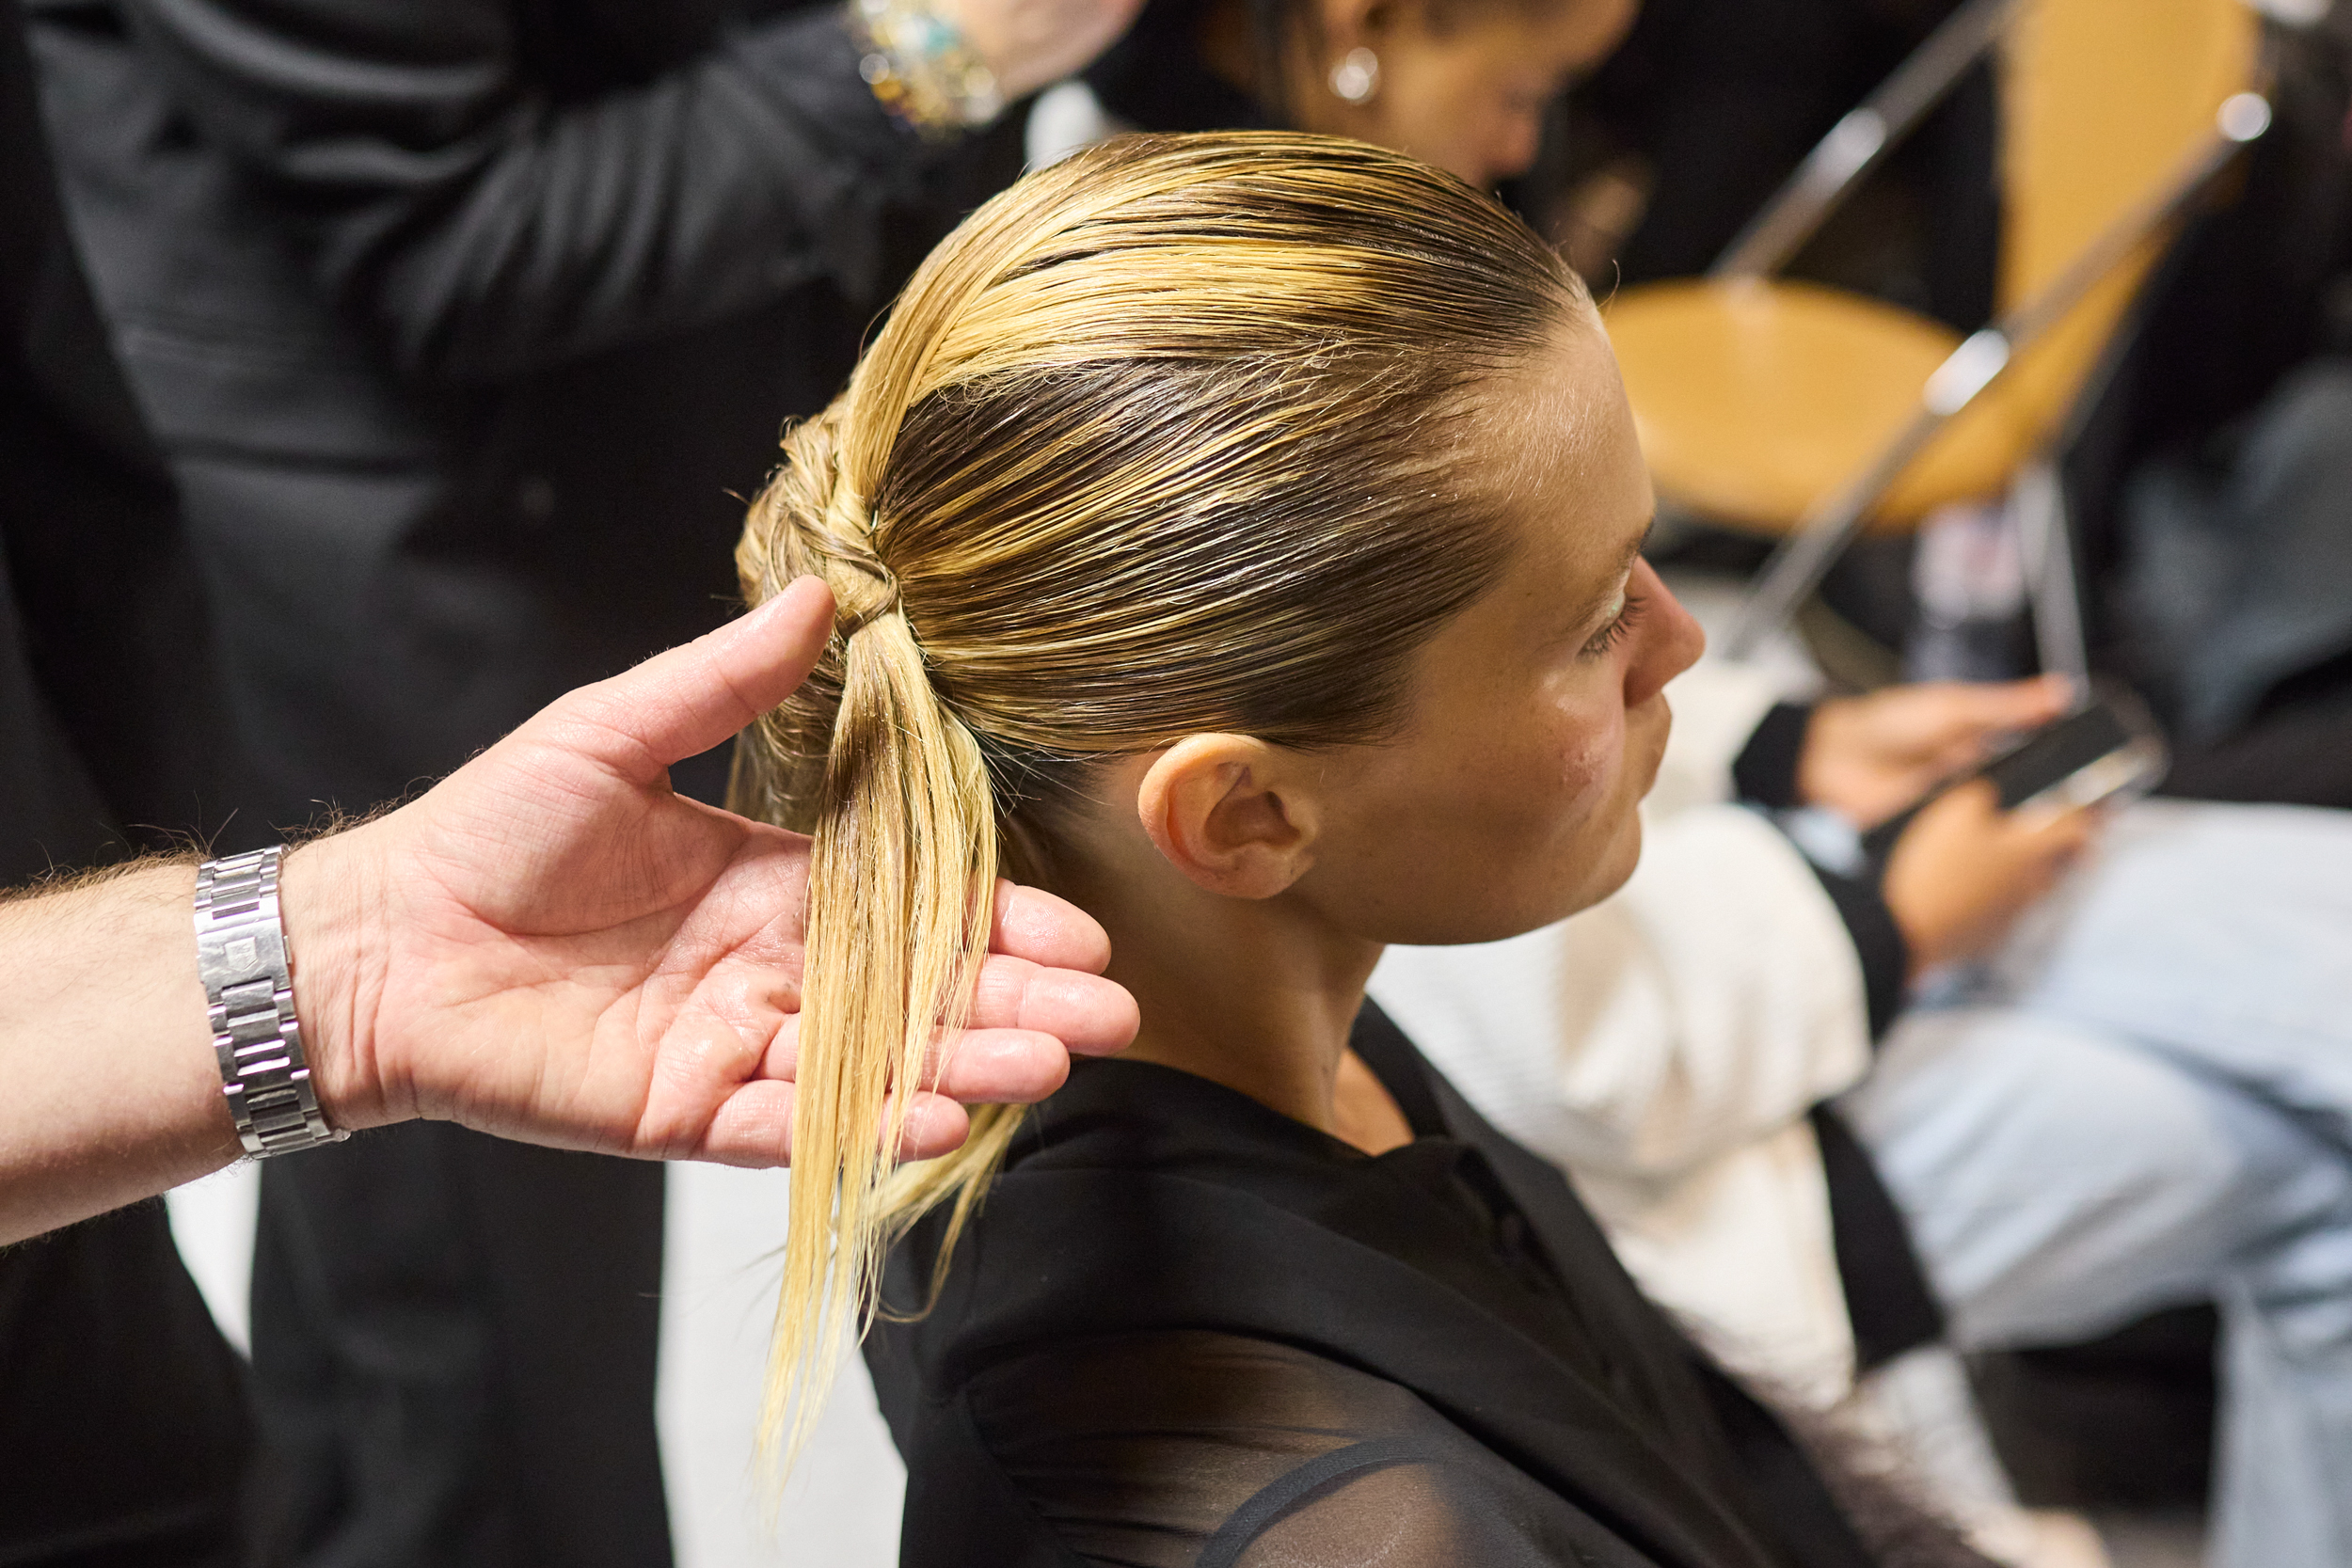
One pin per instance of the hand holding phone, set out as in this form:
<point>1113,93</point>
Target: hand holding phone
<point>1963,864</point>
<point>1959,876</point>
<point>2106,751</point>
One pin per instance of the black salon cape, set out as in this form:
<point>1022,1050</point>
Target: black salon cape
<point>1486,1358</point>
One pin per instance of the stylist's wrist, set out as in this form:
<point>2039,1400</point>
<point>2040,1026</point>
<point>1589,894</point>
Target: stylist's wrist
<point>331,896</point>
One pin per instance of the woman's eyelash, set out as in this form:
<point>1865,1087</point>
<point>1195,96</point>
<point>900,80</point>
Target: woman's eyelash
<point>1614,632</point>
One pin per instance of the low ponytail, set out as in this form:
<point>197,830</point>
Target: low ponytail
<point>892,787</point>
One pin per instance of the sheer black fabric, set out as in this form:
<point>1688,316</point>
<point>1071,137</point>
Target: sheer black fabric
<point>1162,1450</point>
<point>1186,1329</point>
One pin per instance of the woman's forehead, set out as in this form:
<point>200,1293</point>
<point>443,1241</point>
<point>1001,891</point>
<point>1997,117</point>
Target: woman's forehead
<point>1565,456</point>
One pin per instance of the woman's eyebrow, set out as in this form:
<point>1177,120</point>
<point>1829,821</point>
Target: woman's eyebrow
<point>1608,596</point>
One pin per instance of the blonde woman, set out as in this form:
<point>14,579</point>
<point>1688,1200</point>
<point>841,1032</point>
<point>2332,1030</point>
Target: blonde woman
<point>1239,537</point>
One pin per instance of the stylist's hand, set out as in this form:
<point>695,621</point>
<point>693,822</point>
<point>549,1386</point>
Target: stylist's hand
<point>1030,44</point>
<point>1963,870</point>
<point>553,947</point>
<point>1869,757</point>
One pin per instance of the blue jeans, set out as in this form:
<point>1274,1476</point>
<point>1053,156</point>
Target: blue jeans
<point>2145,1100</point>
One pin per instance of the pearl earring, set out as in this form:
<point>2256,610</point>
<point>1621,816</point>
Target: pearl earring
<point>1356,77</point>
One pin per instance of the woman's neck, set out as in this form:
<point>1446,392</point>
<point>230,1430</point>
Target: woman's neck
<point>1256,994</point>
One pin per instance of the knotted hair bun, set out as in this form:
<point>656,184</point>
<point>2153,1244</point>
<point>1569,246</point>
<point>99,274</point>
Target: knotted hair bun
<point>812,520</point>
<point>827,530</point>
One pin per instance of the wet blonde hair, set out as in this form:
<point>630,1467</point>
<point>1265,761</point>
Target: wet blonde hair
<point>1166,439</point>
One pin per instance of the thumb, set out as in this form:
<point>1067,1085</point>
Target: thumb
<point>2018,704</point>
<point>2058,829</point>
<point>684,702</point>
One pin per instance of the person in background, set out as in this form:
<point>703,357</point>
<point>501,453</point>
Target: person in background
<point>1465,84</point>
<point>2097,1075</point>
<point>455,325</point>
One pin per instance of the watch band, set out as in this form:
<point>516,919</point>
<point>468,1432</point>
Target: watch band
<point>248,985</point>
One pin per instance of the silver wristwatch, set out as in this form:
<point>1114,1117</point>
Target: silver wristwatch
<point>241,957</point>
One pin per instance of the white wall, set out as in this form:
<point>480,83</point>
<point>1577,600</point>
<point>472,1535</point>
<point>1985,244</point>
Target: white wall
<point>840,1510</point>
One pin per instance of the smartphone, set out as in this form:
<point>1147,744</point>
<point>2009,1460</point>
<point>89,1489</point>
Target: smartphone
<point>2108,750</point>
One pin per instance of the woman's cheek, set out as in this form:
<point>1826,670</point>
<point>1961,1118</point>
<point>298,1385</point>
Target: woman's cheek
<point>1590,758</point>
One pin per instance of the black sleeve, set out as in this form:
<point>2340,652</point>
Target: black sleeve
<point>1765,771</point>
<point>485,226</point>
<point>1877,941</point>
<point>1765,774</point>
<point>1169,1449</point>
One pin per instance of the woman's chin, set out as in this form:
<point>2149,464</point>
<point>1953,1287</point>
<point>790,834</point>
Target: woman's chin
<point>1610,870</point>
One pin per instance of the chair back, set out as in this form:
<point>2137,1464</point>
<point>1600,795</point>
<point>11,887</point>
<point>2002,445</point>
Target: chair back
<point>2101,101</point>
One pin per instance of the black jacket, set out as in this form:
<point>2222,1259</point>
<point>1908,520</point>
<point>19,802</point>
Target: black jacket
<point>460,322</point>
<point>106,707</point>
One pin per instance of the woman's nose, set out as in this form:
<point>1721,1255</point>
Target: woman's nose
<point>1671,639</point>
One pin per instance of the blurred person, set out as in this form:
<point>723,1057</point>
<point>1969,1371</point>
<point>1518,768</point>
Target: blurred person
<point>2099,1077</point>
<point>123,1412</point>
<point>455,324</point>
<point>2205,472</point>
<point>1241,534</point>
<point>1461,84</point>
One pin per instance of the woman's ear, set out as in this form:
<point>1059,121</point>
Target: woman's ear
<point>1230,813</point>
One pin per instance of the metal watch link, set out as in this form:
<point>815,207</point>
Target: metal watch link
<point>248,984</point>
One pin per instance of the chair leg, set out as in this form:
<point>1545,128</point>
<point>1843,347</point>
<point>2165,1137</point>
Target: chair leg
<point>2038,501</point>
<point>1794,570</point>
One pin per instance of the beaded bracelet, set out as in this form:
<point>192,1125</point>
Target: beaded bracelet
<point>922,69</point>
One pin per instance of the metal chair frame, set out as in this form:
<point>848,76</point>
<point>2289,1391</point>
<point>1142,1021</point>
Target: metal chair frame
<point>1856,145</point>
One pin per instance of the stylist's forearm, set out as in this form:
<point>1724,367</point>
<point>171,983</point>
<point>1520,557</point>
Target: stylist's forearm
<point>106,1064</point>
<point>107,1074</point>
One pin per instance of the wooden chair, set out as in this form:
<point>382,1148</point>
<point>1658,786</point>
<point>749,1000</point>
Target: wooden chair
<point>1792,409</point>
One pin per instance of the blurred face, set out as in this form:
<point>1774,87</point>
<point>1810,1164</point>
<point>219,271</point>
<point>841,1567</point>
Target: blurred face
<point>1536,717</point>
<point>1465,92</point>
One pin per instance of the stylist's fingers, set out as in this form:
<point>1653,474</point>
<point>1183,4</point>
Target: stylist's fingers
<point>754,1128</point>
<point>682,702</point>
<point>935,1124</point>
<point>1033,924</point>
<point>1092,1016</point>
<point>999,1067</point>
